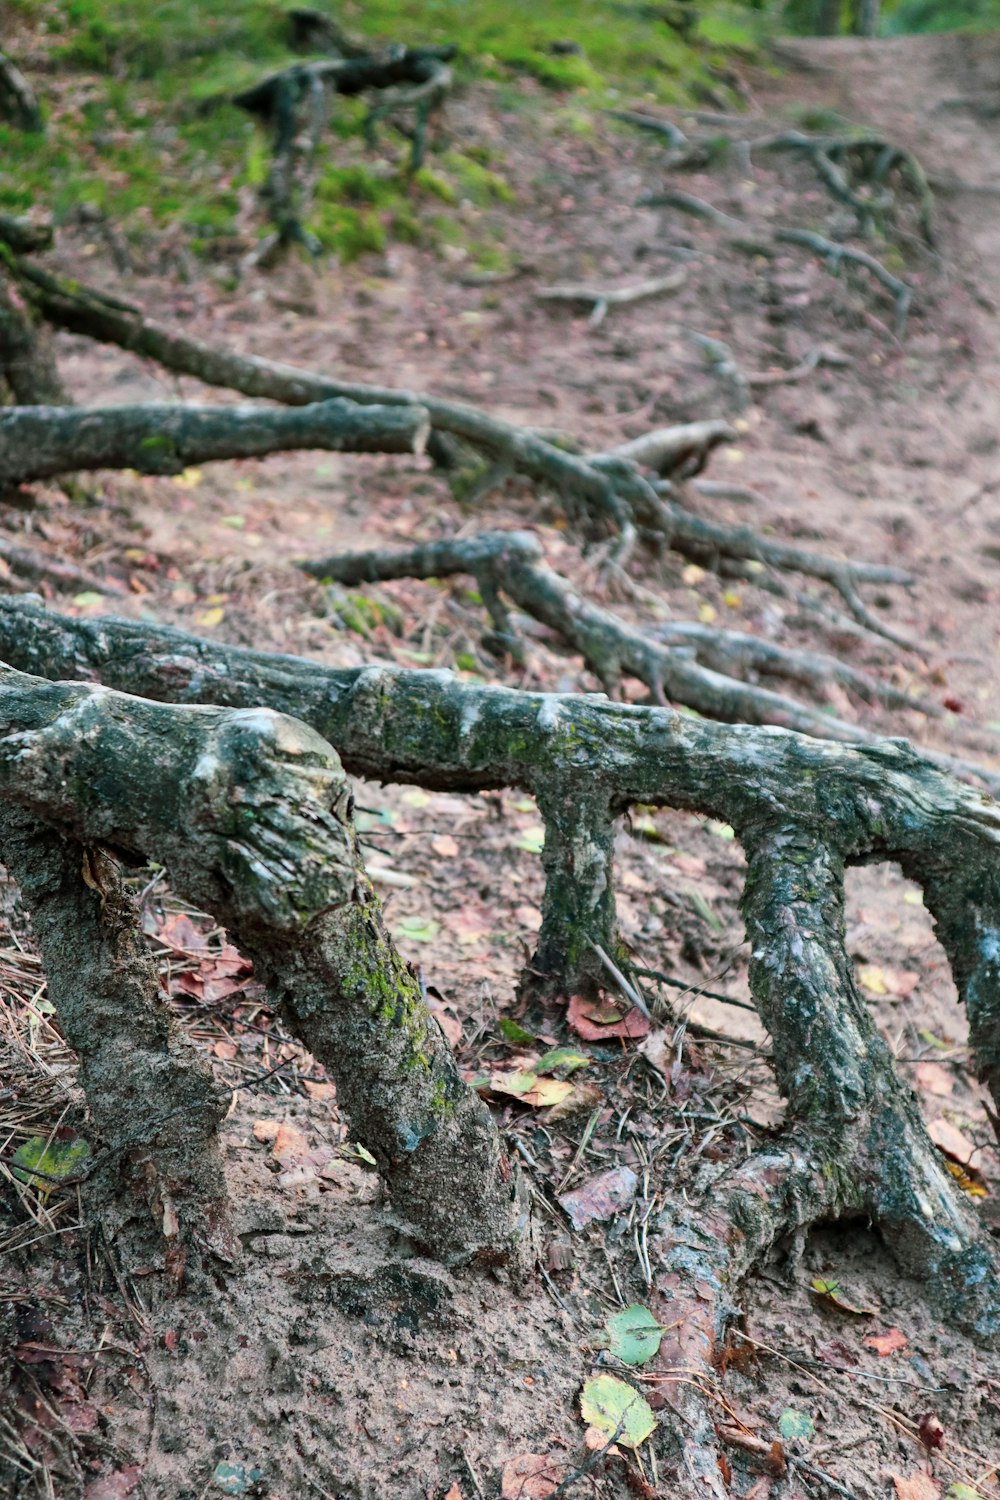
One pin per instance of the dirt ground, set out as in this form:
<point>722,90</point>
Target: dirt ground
<point>336,1363</point>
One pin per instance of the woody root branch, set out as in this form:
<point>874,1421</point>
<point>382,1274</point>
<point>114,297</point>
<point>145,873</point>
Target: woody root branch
<point>803,809</point>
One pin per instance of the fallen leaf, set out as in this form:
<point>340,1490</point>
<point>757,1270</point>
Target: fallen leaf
<point>417,929</point>
<point>967,1183</point>
<point>616,1410</point>
<point>659,1051</point>
<point>887,1343</point>
<point>583,1096</point>
<point>831,1294</point>
<point>931,1430</point>
<point>514,1033</point>
<point>600,1197</point>
<point>227,1050</point>
<point>595,1021</point>
<point>532,839</point>
<point>960,1491</point>
<point>949,1139</point>
<point>530,1089</point>
<point>181,935</point>
<point>633,1335</point>
<point>44,1163</point>
<point>919,1486</point>
<point>872,979</point>
<point>265,1130</point>
<point>320,1090</point>
<point>796,1424</point>
<point>934,1078</point>
<point>569,1058</point>
<point>453,1493</point>
<point>206,618</point>
<point>445,846</point>
<point>529,917</point>
<point>289,1145</point>
<point>531,1476</point>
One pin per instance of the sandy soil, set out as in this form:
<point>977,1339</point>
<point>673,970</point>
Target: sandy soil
<point>337,1363</point>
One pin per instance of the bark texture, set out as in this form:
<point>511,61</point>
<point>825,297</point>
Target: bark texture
<point>251,814</point>
<point>39,441</point>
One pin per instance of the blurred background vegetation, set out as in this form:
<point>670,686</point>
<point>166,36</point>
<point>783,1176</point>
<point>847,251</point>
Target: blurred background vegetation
<point>140,128</point>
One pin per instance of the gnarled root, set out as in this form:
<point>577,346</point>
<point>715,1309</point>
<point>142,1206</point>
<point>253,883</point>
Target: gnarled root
<point>855,1146</point>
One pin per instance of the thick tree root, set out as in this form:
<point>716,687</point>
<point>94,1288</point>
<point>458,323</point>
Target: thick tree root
<point>152,1098</point>
<point>855,1147</point>
<point>18,104</point>
<point>607,488</point>
<point>251,814</point>
<point>755,241</point>
<point>39,441</point>
<point>511,563</point>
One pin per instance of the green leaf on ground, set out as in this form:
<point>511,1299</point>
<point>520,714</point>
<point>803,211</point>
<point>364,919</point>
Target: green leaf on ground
<point>616,1410</point>
<point>417,929</point>
<point>634,1335</point>
<point>532,839</point>
<point>796,1424</point>
<point>53,1161</point>
<point>515,1034</point>
<point>569,1058</point>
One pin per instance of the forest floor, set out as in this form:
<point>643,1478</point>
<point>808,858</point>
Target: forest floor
<point>335,1363</point>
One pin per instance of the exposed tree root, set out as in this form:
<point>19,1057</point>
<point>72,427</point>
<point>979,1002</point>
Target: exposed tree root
<point>295,103</point>
<point>152,1097</point>
<point>65,575</point>
<point>602,298</point>
<point>732,650</point>
<point>18,104</point>
<point>856,1146</point>
<point>746,237</point>
<point>27,367</point>
<point>252,816</point>
<point>607,488</point>
<point>39,441</point>
<point>511,563</point>
<point>802,809</point>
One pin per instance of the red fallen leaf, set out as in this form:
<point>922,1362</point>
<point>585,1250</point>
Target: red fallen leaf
<point>226,1050</point>
<point>931,1431</point>
<point>531,1476</point>
<point>956,1146</point>
<point>595,1021</point>
<point>319,1090</point>
<point>114,1486</point>
<point>919,1486</point>
<point>955,705</point>
<point>887,1343</point>
<point>454,1493</point>
<point>179,933</point>
<point>600,1197</point>
<point>170,1339</point>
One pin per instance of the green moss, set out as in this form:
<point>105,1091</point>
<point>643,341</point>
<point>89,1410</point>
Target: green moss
<point>143,128</point>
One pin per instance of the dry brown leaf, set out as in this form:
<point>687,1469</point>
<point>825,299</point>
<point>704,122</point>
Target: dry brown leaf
<point>454,1493</point>
<point>319,1090</point>
<point>596,1021</point>
<point>934,1078</point>
<point>919,1486</point>
<point>445,846</point>
<point>531,1476</point>
<point>600,1197</point>
<point>949,1139</point>
<point>887,1343</point>
<point>265,1130</point>
<point>289,1145</point>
